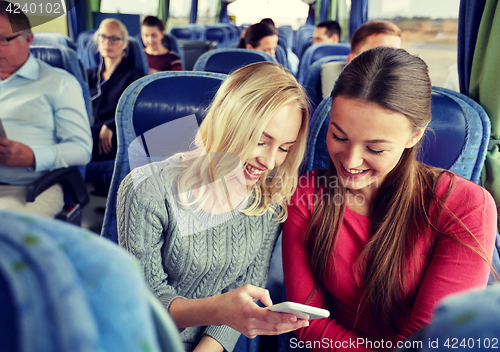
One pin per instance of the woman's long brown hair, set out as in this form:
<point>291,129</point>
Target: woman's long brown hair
<point>397,81</point>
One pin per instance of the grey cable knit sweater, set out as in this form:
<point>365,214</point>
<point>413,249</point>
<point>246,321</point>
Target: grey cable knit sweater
<point>191,254</point>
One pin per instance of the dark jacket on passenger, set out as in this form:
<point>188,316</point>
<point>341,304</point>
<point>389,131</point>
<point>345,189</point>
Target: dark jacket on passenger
<point>104,105</point>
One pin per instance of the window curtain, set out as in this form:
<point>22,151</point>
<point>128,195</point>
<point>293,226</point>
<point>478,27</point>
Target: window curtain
<point>469,19</point>
<point>359,15</point>
<point>485,89</point>
<point>194,11</point>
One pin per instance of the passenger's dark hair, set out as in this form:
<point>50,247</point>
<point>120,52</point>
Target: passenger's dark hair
<point>397,81</point>
<point>152,21</point>
<point>254,35</point>
<point>372,28</point>
<point>332,27</point>
<point>269,22</point>
<point>18,20</point>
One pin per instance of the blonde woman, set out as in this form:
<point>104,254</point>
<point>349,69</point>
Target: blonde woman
<point>107,83</point>
<point>203,223</point>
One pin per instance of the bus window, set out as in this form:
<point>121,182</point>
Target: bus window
<point>206,12</point>
<point>140,7</point>
<point>179,12</point>
<point>283,12</point>
<point>429,30</point>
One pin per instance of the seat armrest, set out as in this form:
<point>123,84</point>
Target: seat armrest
<point>70,178</point>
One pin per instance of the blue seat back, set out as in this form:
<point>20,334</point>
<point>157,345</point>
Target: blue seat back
<point>312,80</point>
<point>281,57</point>
<point>66,59</point>
<point>169,42</point>
<point>65,289</point>
<point>218,34</point>
<point>50,38</point>
<point>316,52</point>
<point>135,55</point>
<point>81,44</point>
<point>285,34</point>
<point>146,104</point>
<point>457,137</point>
<point>228,60</point>
<point>183,32</point>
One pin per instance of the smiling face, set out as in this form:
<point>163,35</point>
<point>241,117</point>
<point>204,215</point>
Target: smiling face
<point>365,143</point>
<point>152,37</point>
<point>279,135</point>
<point>267,44</point>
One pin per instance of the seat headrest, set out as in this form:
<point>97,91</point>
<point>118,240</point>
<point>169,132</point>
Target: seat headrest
<point>173,97</point>
<point>445,137</point>
<point>321,50</point>
<point>51,55</point>
<point>228,60</point>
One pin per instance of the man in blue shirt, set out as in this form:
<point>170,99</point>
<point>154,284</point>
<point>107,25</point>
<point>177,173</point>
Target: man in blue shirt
<point>44,118</point>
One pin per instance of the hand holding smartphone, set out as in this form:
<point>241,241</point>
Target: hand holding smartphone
<point>301,311</point>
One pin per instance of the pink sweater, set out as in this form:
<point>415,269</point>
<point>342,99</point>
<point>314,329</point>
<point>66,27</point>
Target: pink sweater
<point>452,268</point>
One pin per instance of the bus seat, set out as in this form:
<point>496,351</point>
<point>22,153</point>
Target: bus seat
<point>218,34</point>
<point>228,60</point>
<point>303,45</point>
<point>169,42</point>
<point>285,34</point>
<point>182,32</point>
<point>303,34</point>
<point>468,319</point>
<point>52,38</point>
<point>66,59</point>
<point>316,52</point>
<point>135,55</point>
<point>65,289</point>
<point>312,81</point>
<point>81,43</point>
<point>198,31</point>
<point>146,104</point>
<point>281,57</point>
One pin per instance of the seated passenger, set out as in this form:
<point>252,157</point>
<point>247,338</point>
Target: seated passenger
<point>261,37</point>
<point>327,32</point>
<point>205,245</point>
<point>379,238</point>
<point>368,36</point>
<point>45,123</point>
<point>159,57</point>
<point>107,83</point>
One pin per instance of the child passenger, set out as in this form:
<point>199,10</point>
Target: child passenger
<point>159,57</point>
<point>207,256</point>
<point>379,238</point>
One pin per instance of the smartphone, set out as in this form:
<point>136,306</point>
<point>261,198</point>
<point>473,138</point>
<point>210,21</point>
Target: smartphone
<point>2,130</point>
<point>300,310</point>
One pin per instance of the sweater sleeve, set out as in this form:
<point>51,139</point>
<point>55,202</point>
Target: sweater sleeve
<point>455,267</point>
<point>256,275</point>
<point>142,220</point>
<point>321,334</point>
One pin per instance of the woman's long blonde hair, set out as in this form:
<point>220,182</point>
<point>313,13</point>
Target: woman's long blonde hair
<point>232,128</point>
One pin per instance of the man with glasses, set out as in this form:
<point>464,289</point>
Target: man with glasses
<point>45,123</point>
